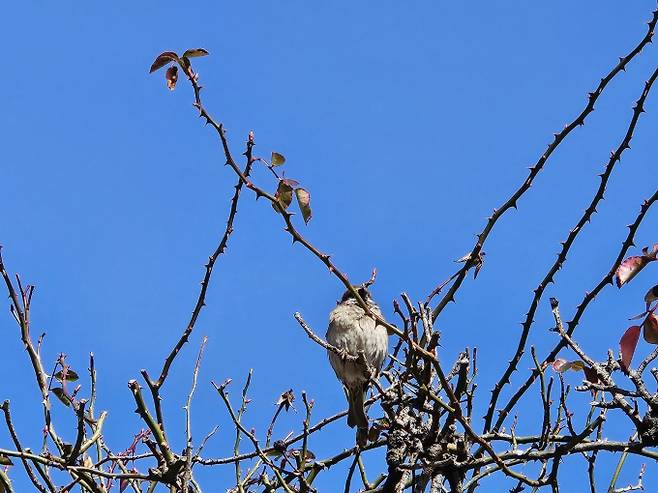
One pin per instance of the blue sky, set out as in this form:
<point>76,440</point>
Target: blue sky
<point>408,124</point>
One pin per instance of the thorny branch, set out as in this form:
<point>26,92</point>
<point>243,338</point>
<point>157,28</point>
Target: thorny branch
<point>539,165</point>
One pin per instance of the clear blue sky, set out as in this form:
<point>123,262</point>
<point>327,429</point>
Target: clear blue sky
<point>408,124</point>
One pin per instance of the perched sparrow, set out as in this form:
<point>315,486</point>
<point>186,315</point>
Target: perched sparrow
<point>351,330</point>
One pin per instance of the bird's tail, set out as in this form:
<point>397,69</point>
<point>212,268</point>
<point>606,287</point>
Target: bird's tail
<point>356,415</point>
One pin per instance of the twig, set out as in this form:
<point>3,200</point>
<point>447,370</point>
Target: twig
<point>17,444</point>
<point>188,422</point>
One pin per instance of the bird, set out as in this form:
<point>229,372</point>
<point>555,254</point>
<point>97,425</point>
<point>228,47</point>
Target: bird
<point>352,330</point>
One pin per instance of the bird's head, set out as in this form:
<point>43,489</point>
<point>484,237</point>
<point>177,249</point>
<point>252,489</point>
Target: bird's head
<point>348,296</point>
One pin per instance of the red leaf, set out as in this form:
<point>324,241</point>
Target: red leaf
<point>627,345</point>
<point>162,60</point>
<point>172,77</point>
<point>629,268</point>
<point>123,485</point>
<point>650,331</point>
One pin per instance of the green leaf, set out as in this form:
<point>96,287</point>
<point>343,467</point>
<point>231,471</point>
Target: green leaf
<point>71,376</point>
<point>283,195</point>
<point>61,394</point>
<point>277,159</point>
<point>5,461</point>
<point>195,52</point>
<point>162,60</point>
<point>304,201</point>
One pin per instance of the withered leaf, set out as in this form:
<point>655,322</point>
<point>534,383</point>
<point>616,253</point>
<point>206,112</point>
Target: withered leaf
<point>71,376</point>
<point>277,159</point>
<point>283,194</point>
<point>61,394</point>
<point>162,60</point>
<point>286,399</point>
<point>195,52</point>
<point>304,201</point>
<point>561,365</point>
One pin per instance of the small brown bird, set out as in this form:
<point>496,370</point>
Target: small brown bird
<point>352,330</point>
